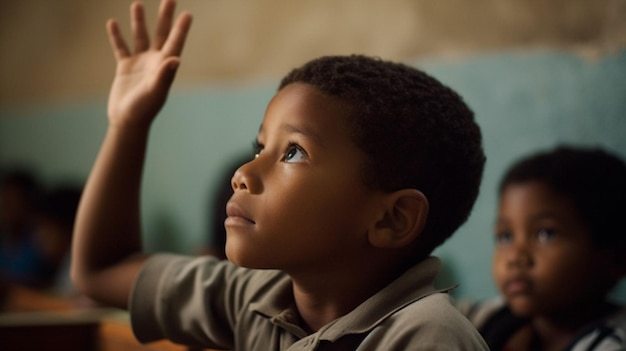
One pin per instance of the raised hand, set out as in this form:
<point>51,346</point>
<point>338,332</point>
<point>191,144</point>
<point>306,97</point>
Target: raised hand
<point>107,247</point>
<point>144,75</point>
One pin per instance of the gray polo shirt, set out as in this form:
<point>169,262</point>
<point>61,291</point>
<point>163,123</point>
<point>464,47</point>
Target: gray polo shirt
<point>209,303</point>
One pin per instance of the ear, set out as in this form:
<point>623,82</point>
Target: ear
<point>404,217</point>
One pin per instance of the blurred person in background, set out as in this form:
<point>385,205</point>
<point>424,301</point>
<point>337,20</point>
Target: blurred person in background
<point>53,234</point>
<point>560,250</point>
<point>21,261</point>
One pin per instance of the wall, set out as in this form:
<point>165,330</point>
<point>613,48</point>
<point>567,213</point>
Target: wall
<point>524,101</point>
<point>58,50</point>
<point>537,73</point>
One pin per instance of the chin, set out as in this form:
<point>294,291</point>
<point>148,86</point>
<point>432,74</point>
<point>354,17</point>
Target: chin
<point>245,260</point>
<point>522,308</point>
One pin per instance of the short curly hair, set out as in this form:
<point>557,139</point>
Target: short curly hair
<point>592,178</point>
<point>416,132</point>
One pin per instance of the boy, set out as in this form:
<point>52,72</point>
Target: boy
<point>560,249</point>
<point>362,167</point>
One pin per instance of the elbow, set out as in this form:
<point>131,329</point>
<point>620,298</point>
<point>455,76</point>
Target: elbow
<point>110,285</point>
<point>80,280</point>
<point>84,279</point>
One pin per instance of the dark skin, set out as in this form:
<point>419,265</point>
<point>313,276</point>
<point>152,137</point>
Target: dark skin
<point>106,250</point>
<point>547,267</point>
<point>352,240</point>
<point>305,179</point>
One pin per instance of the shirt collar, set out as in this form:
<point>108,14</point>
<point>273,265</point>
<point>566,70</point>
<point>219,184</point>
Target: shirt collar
<point>278,305</point>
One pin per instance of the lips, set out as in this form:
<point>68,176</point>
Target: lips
<point>237,215</point>
<point>517,286</point>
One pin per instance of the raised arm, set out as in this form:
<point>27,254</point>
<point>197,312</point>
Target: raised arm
<point>106,252</point>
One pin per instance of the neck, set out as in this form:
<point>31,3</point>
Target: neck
<point>323,296</point>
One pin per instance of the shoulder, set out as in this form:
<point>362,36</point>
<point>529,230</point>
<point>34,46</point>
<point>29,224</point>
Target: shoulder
<point>168,271</point>
<point>610,334</point>
<point>480,312</point>
<point>175,291</point>
<point>433,321</point>
<point>433,310</point>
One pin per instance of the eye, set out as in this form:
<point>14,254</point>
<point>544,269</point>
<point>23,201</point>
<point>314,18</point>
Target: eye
<point>503,238</point>
<point>294,153</point>
<point>258,148</point>
<point>545,235</point>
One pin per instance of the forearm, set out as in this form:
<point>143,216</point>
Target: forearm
<point>106,252</point>
<point>107,247</point>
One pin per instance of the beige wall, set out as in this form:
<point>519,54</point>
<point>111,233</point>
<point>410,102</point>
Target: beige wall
<point>57,50</point>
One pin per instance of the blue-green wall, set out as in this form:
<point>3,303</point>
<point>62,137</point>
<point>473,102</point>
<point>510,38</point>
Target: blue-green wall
<point>523,102</point>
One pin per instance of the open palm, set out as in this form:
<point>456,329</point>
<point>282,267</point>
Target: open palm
<point>143,77</point>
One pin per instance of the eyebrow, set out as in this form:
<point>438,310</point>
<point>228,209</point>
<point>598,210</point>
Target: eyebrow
<point>546,215</point>
<point>306,132</point>
<point>541,216</point>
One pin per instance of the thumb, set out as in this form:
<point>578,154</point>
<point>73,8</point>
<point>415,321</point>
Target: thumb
<point>167,72</point>
<point>164,78</point>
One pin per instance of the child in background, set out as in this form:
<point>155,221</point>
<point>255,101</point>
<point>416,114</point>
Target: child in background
<point>21,261</point>
<point>53,233</point>
<point>560,249</point>
<point>362,168</point>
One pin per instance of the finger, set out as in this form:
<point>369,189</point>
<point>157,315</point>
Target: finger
<point>138,25</point>
<point>116,40</point>
<point>164,78</point>
<point>176,40</point>
<point>164,24</point>
<point>167,72</point>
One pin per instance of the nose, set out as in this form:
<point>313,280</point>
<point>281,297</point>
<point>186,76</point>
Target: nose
<point>520,255</point>
<point>246,178</point>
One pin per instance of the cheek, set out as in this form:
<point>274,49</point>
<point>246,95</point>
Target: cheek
<point>319,197</point>
<point>292,204</point>
<point>497,268</point>
<point>566,277</point>
<point>316,212</point>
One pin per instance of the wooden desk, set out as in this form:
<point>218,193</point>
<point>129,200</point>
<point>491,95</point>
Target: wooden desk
<point>115,335</point>
<point>72,330</point>
<point>34,321</point>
